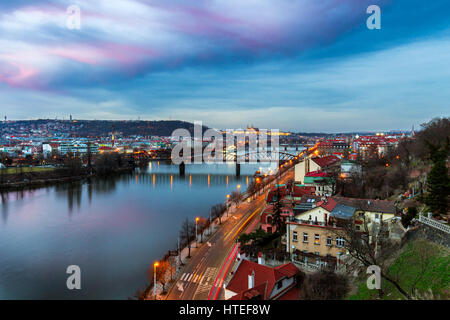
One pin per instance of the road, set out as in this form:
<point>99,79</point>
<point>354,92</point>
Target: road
<point>203,275</point>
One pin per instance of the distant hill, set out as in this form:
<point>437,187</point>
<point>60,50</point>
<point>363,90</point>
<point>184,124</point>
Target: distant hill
<point>129,128</point>
<point>85,128</point>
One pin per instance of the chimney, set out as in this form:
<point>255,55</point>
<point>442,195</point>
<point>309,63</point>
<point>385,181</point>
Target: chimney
<point>251,280</point>
<point>261,258</point>
<point>242,255</point>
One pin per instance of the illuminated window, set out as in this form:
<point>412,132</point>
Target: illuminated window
<point>316,239</point>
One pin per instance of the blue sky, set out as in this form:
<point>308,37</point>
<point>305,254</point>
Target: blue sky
<point>302,65</point>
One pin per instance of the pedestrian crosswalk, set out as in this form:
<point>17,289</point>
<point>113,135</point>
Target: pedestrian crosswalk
<point>203,288</point>
<point>195,278</point>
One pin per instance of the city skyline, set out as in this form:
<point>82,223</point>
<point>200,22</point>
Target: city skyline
<point>303,66</point>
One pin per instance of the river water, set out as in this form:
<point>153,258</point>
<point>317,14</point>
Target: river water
<point>112,228</point>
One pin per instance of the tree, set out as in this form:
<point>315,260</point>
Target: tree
<point>438,181</point>
<point>277,208</point>
<point>73,164</point>
<point>217,210</point>
<point>252,188</point>
<point>407,217</point>
<point>187,234</point>
<point>370,247</point>
<point>236,197</point>
<point>418,258</point>
<point>163,273</point>
<point>325,285</point>
<point>435,132</point>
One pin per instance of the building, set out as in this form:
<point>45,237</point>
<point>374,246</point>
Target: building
<point>312,236</point>
<point>329,164</point>
<point>370,211</point>
<point>323,182</point>
<point>288,197</point>
<point>267,219</point>
<point>77,148</point>
<point>377,145</point>
<point>256,281</point>
<point>337,146</point>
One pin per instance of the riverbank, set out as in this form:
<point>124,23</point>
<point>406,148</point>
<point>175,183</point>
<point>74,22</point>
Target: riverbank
<point>45,178</point>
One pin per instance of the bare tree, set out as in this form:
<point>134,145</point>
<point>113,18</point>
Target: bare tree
<point>420,256</point>
<point>325,285</point>
<point>236,197</point>
<point>252,188</point>
<point>187,234</point>
<point>217,210</point>
<point>369,247</point>
<point>163,273</point>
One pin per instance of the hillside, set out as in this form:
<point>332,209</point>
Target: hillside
<point>421,267</point>
<point>84,128</point>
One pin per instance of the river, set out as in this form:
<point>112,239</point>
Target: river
<point>112,228</point>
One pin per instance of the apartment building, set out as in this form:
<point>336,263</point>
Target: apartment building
<point>312,236</point>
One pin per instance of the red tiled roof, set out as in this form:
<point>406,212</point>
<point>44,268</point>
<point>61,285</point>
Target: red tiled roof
<point>301,191</point>
<point>328,205</point>
<point>292,294</point>
<point>317,173</point>
<point>264,277</point>
<point>325,161</point>
<point>258,292</point>
<point>288,269</point>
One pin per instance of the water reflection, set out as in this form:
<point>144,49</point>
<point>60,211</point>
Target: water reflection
<point>110,226</point>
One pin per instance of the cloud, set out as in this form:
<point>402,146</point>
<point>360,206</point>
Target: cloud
<point>304,65</point>
<point>131,38</point>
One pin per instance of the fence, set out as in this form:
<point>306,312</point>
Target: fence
<point>435,224</point>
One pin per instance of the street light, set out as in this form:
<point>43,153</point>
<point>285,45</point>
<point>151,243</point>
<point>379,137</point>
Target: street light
<point>238,186</point>
<point>156,264</point>
<point>228,200</point>
<point>196,242</point>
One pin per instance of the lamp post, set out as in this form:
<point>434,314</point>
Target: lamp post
<point>196,233</point>
<point>156,264</point>
<point>228,201</point>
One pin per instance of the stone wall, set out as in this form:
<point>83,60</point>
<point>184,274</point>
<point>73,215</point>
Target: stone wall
<point>422,231</point>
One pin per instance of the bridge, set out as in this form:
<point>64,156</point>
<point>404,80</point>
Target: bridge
<point>284,154</point>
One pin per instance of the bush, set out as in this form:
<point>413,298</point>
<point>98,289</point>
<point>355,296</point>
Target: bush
<point>325,285</point>
<point>410,214</point>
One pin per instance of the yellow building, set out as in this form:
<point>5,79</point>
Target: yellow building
<point>313,238</point>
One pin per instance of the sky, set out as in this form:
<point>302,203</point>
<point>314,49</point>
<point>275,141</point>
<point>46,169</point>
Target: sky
<point>299,65</point>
